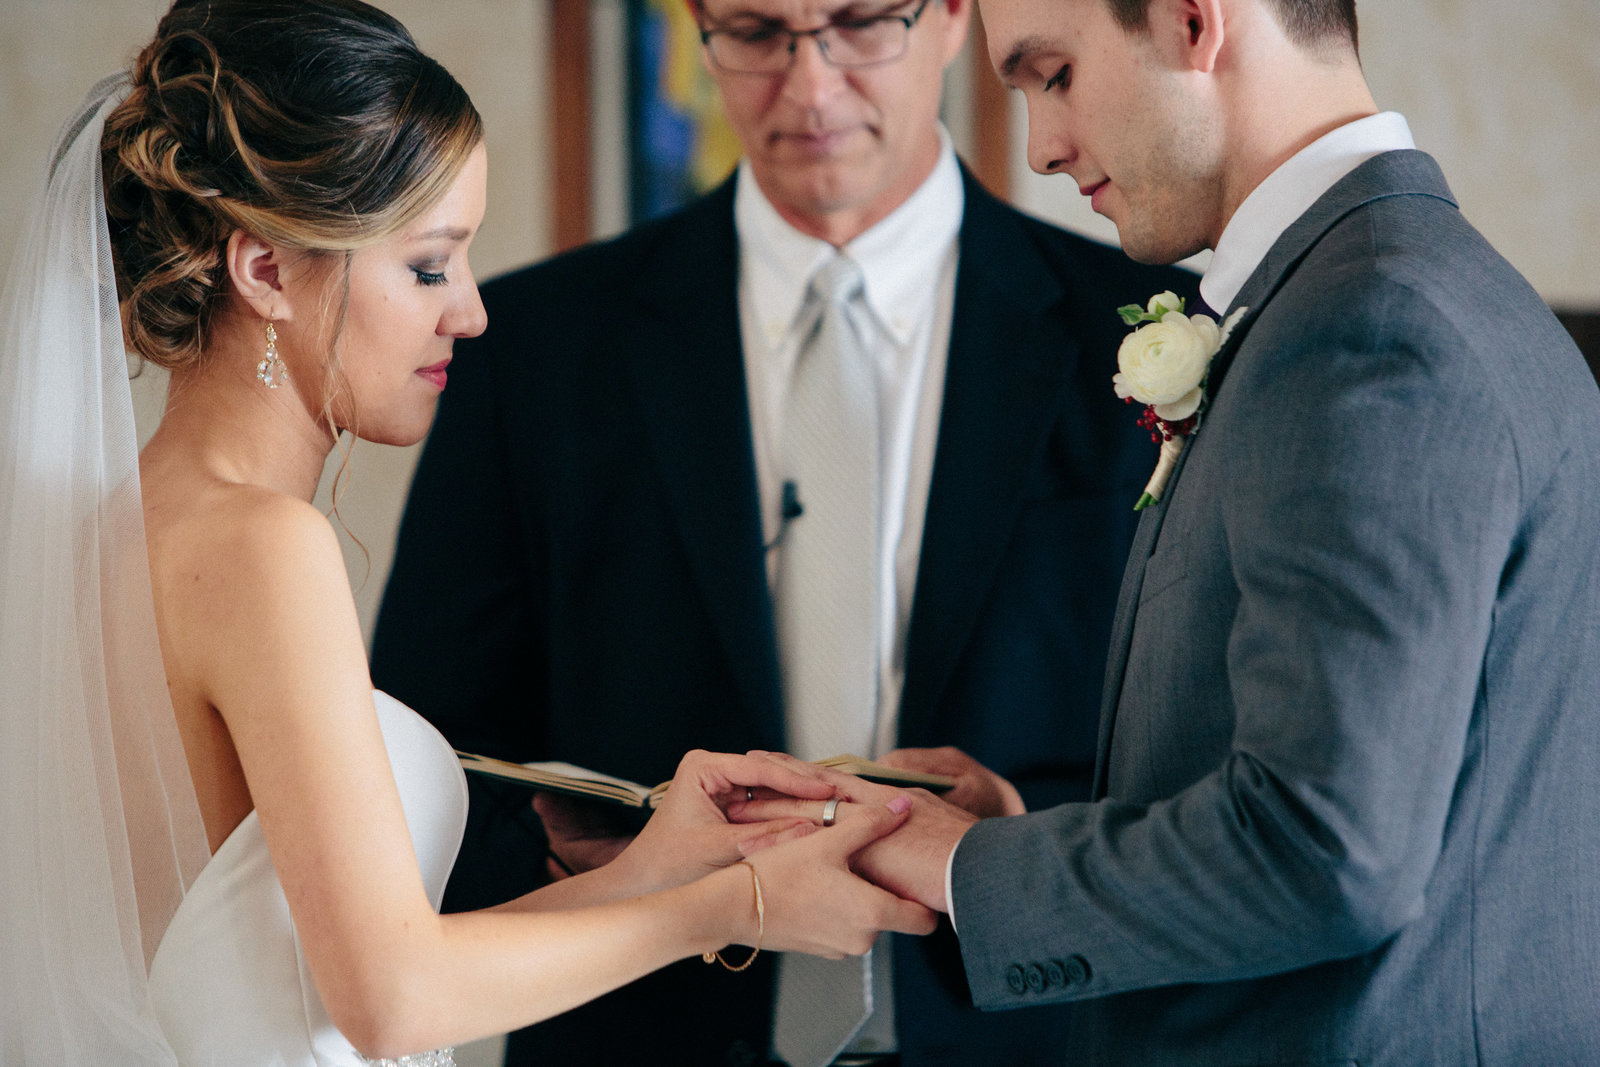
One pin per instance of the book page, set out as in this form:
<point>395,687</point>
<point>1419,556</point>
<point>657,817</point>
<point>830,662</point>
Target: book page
<point>558,777</point>
<point>572,770</point>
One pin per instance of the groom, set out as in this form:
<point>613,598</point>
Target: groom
<point>1349,772</point>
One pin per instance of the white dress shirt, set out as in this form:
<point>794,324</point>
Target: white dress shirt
<point>1270,209</point>
<point>908,262</point>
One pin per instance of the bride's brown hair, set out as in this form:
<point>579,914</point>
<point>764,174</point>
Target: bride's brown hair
<point>317,124</point>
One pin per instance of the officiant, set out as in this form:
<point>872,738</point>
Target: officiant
<point>825,462</point>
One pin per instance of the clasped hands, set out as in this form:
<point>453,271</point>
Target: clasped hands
<point>880,866</point>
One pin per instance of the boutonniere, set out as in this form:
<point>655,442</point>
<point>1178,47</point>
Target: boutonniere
<point>1163,365</point>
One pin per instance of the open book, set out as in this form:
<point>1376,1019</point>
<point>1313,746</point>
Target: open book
<point>556,777</point>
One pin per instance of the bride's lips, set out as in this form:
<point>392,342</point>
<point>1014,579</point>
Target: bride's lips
<point>435,374</point>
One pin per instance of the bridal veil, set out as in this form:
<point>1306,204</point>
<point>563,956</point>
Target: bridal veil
<point>100,832</point>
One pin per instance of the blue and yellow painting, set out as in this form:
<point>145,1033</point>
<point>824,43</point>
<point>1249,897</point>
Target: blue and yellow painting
<point>681,144</point>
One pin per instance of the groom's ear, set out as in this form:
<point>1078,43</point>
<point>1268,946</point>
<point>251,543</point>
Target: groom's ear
<point>256,268</point>
<point>1193,30</point>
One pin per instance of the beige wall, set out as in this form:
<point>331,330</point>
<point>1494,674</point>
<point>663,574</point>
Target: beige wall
<point>1502,93</point>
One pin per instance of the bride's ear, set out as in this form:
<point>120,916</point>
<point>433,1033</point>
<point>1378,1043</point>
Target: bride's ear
<point>255,267</point>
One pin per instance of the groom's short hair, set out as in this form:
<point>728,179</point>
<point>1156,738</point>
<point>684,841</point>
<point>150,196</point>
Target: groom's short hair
<point>1307,23</point>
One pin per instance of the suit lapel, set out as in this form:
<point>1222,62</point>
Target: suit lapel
<point>1390,174</point>
<point>1002,386</point>
<point>1145,539</point>
<point>693,399</point>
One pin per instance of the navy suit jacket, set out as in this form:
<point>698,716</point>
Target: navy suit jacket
<point>1349,768</point>
<point>580,572</point>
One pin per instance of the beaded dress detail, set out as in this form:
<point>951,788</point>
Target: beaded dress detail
<point>442,1058</point>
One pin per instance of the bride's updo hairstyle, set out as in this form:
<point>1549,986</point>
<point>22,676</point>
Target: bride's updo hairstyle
<point>315,124</point>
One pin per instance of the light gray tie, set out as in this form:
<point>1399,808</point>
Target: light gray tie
<point>827,617</point>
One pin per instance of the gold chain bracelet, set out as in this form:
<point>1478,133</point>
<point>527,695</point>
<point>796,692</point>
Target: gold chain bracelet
<point>761,927</point>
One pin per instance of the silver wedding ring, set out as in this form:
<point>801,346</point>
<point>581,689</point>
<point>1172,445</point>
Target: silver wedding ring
<point>749,794</point>
<point>830,808</point>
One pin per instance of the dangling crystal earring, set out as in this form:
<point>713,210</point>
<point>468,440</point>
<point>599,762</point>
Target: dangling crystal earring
<point>272,371</point>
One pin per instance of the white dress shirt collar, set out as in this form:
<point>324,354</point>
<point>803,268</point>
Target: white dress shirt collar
<point>895,254</point>
<point>1287,193</point>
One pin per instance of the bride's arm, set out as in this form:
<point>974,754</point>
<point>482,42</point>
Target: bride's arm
<point>268,632</point>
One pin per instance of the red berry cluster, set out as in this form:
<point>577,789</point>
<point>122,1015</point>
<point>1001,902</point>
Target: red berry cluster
<point>1160,429</point>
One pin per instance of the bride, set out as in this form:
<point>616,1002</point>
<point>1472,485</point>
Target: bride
<point>217,845</point>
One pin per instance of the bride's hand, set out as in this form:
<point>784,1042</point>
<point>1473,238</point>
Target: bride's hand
<point>690,835</point>
<point>814,902</point>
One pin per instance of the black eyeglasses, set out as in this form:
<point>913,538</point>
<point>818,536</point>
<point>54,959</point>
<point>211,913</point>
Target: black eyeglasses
<point>756,47</point>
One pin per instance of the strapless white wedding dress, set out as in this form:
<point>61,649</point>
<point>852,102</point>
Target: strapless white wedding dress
<point>230,983</point>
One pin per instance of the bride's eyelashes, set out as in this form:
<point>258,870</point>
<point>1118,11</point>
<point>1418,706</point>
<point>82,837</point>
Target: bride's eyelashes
<point>429,277</point>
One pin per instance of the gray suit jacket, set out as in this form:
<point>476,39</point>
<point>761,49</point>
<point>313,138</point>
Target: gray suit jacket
<point>1348,790</point>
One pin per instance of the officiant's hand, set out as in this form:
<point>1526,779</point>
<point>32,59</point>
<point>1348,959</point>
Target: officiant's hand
<point>690,834</point>
<point>977,790</point>
<point>582,834</point>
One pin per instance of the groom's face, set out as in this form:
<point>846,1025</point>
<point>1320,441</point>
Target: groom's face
<point>1117,112</point>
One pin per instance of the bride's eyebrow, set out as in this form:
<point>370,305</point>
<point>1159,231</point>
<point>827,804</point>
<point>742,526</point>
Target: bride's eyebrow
<point>452,233</point>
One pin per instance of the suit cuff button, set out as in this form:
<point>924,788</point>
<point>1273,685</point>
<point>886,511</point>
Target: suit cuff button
<point>1055,974</point>
<point>1015,980</point>
<point>1078,971</point>
<point>1035,978</point>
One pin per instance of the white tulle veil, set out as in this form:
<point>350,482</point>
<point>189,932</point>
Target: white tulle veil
<point>100,832</point>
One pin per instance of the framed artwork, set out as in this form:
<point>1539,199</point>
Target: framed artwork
<point>679,144</point>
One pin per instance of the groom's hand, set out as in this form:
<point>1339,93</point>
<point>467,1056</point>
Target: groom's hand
<point>582,835</point>
<point>911,862</point>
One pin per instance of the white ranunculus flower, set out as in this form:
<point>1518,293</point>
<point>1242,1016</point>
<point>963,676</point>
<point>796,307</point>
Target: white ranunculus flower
<point>1164,362</point>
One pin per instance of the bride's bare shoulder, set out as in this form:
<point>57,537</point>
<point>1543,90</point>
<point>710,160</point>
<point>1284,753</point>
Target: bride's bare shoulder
<point>231,563</point>
<point>231,530</point>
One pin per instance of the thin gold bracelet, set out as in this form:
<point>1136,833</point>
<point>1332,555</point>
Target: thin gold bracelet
<point>761,927</point>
